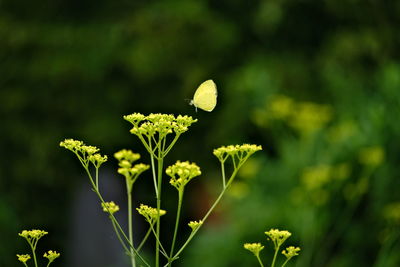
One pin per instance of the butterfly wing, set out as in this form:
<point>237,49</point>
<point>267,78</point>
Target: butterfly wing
<point>205,96</point>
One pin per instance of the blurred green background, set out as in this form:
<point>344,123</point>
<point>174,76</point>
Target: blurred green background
<point>316,83</point>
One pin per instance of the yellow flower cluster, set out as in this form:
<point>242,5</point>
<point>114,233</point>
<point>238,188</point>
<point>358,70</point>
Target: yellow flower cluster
<point>241,151</point>
<point>372,156</point>
<point>158,123</point>
<point>126,155</point>
<point>150,214</point>
<point>32,234</point>
<point>304,117</point>
<point>84,152</point>
<point>51,255</point>
<point>195,224</point>
<point>391,212</point>
<point>23,258</point>
<point>255,248</point>
<point>110,207</point>
<point>126,168</point>
<point>290,252</point>
<point>181,173</point>
<point>278,236</point>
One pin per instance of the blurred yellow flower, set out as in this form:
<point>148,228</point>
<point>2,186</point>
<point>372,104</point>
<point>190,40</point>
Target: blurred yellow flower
<point>372,156</point>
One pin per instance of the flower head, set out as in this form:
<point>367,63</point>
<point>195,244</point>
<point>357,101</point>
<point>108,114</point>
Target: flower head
<point>126,154</point>
<point>23,258</point>
<point>126,167</point>
<point>372,156</point>
<point>150,214</point>
<point>255,248</point>
<point>238,151</point>
<point>278,236</point>
<point>195,224</point>
<point>32,234</point>
<point>84,152</point>
<point>182,172</point>
<point>110,207</point>
<point>290,252</point>
<point>163,124</point>
<point>51,255</point>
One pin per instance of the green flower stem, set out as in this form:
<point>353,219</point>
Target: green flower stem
<point>130,231</point>
<point>286,261</point>
<point>171,145</point>
<point>275,254</point>
<point>207,214</point>
<point>178,215</point>
<point>97,177</point>
<point>25,264</point>
<point>120,239</point>
<point>144,240</point>
<point>119,228</point>
<point>162,250</point>
<point>223,174</point>
<point>153,171</point>
<point>259,260</point>
<point>33,247</point>
<point>159,181</point>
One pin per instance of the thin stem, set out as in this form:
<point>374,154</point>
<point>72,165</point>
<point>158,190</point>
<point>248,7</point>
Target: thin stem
<point>144,240</point>
<point>120,239</point>
<point>97,177</point>
<point>112,217</point>
<point>207,214</point>
<point>275,254</point>
<point>259,261</point>
<point>154,172</point>
<point>129,191</point>
<point>178,214</point>
<point>171,145</point>
<point>163,251</point>
<point>223,173</point>
<point>286,261</point>
<point>33,247</point>
<point>159,175</point>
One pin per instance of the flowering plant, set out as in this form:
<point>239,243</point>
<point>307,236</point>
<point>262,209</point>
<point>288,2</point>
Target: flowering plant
<point>277,237</point>
<point>158,133</point>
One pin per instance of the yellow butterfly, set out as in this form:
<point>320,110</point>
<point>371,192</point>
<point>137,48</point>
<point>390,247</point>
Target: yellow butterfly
<point>205,96</point>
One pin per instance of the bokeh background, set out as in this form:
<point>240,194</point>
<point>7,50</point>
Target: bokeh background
<point>316,83</point>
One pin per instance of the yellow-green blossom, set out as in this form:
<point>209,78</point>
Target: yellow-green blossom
<point>316,177</point>
<point>239,151</point>
<point>150,214</point>
<point>126,168</point>
<point>307,117</point>
<point>162,124</point>
<point>195,224</point>
<point>84,152</point>
<point>255,248</point>
<point>281,107</point>
<point>278,236</point>
<point>51,255</point>
<point>110,207</point>
<point>32,234</point>
<point>391,212</point>
<point>97,159</point>
<point>71,144</point>
<point>290,252</point>
<point>23,258</point>
<point>182,172</point>
<point>126,154</point>
<point>372,156</point>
